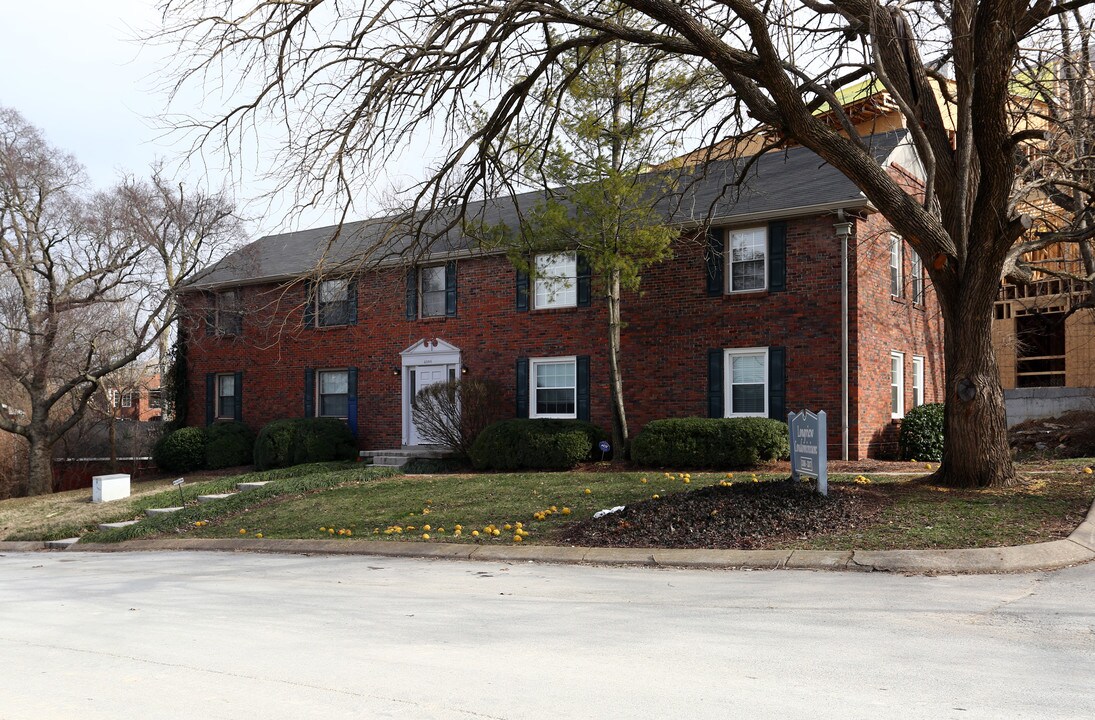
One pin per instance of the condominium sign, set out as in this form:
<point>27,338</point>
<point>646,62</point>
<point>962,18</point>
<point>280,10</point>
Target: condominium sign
<point>808,455</point>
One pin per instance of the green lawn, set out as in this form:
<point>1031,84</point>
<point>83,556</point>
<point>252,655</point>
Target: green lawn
<point>375,503</point>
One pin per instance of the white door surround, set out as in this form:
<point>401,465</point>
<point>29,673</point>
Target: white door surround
<point>428,361</point>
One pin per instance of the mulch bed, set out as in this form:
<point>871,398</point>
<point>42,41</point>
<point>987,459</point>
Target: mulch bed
<point>743,516</point>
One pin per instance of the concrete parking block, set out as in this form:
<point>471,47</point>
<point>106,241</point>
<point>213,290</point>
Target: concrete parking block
<point>153,512</point>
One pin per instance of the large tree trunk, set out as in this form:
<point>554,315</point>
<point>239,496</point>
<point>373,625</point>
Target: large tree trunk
<point>615,376</point>
<point>39,466</point>
<point>976,453</point>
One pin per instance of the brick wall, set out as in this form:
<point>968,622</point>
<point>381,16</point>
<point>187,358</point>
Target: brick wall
<point>883,325</point>
<point>670,326</point>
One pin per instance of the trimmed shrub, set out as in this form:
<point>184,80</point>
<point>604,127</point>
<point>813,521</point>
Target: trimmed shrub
<point>710,442</point>
<point>282,443</point>
<point>540,444</point>
<point>273,445</point>
<point>181,451</point>
<point>922,433</point>
<point>322,440</point>
<point>229,444</point>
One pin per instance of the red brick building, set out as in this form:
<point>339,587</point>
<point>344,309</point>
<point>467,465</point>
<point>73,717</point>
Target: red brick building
<point>745,320</point>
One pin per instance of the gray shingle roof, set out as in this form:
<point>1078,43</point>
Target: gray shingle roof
<point>778,181</point>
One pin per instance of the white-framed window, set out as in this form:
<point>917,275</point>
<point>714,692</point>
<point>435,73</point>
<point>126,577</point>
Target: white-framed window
<point>431,281</point>
<point>916,271</point>
<point>747,259</point>
<point>226,396</point>
<point>332,393</point>
<point>127,398</point>
<point>556,280</point>
<point>155,398</point>
<point>897,266</point>
<point>746,382</point>
<point>554,388</point>
<point>917,381</point>
<point>897,385</point>
<point>333,302</point>
<point>112,397</point>
<point>228,313</point>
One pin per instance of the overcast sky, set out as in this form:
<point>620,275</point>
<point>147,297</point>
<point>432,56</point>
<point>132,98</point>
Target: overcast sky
<point>75,69</point>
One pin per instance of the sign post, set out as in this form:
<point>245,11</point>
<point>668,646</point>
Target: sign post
<point>809,456</point>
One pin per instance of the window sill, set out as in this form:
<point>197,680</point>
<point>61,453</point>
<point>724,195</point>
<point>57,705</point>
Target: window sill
<point>568,309</point>
<point>323,328</point>
<point>748,294</point>
<point>435,318</point>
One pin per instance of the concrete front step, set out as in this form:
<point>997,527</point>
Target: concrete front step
<point>213,498</point>
<point>61,544</point>
<point>251,485</point>
<point>389,461</point>
<point>408,452</point>
<point>116,525</point>
<point>153,512</point>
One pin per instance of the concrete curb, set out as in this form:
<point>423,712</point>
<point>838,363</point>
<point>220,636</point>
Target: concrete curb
<point>1078,548</point>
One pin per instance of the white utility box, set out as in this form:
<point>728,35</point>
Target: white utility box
<point>105,488</point>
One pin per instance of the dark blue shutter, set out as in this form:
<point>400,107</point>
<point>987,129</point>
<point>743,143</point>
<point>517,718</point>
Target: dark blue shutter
<point>450,288</point>
<point>210,398</point>
<point>716,272</point>
<point>309,392</point>
<point>777,383</point>
<point>412,293</point>
<point>777,255</point>
<point>351,301</point>
<point>237,410</point>
<point>522,291</point>
<point>583,281</point>
<point>351,399</point>
<point>716,394</point>
<point>583,387</point>
<point>521,391</point>
<point>309,304</point>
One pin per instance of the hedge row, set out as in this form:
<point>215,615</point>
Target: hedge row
<point>710,442</point>
<point>279,444</point>
<point>535,444</point>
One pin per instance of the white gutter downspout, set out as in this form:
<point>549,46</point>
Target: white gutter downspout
<point>843,228</point>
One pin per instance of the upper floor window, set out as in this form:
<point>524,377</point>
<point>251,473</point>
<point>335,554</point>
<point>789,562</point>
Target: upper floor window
<point>333,393</point>
<point>747,259</point>
<point>334,303</point>
<point>155,398</point>
<point>916,271</point>
<point>227,313</point>
<point>897,266</point>
<point>556,280</point>
<point>432,291</point>
<point>226,397</point>
<point>127,398</point>
<point>747,382</point>
<point>554,388</point>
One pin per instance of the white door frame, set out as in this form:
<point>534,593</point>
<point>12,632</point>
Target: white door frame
<point>428,352</point>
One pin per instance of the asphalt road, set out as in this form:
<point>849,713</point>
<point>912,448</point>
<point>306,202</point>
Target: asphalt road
<point>210,635</point>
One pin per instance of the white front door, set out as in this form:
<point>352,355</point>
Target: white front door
<point>418,378</point>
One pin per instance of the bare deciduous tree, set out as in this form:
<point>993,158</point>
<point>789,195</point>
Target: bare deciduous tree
<point>353,81</point>
<point>87,281</point>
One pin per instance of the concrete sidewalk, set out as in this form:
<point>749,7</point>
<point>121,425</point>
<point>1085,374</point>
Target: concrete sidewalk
<point>1078,548</point>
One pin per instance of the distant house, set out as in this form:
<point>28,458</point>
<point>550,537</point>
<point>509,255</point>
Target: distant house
<point>141,401</point>
<point>744,321</point>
